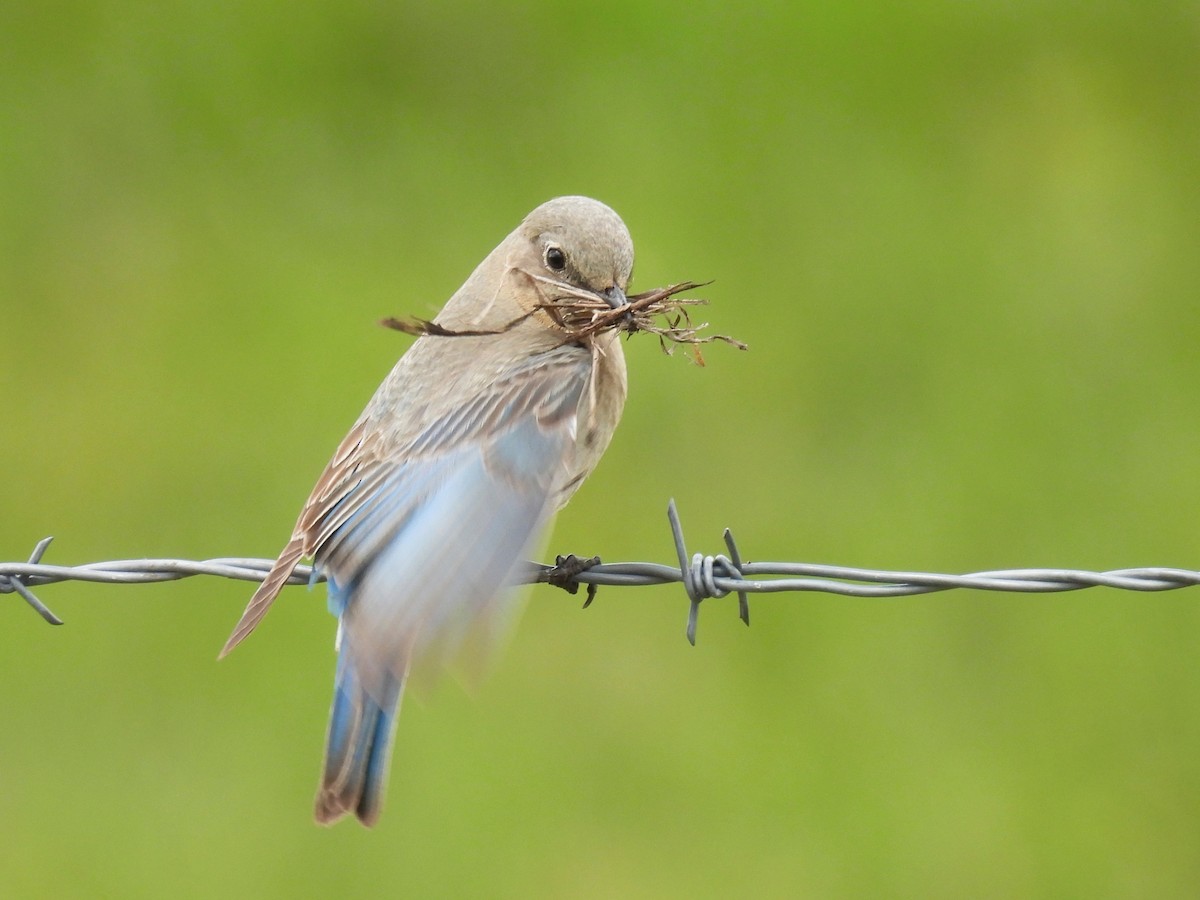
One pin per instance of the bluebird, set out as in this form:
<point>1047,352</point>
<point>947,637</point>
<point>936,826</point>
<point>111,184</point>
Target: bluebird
<point>456,465</point>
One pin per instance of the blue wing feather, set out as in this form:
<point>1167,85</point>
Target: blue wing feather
<point>424,541</point>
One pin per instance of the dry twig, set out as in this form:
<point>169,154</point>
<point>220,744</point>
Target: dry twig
<point>582,315</point>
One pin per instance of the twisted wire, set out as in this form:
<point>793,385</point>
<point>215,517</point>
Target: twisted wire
<point>702,576</point>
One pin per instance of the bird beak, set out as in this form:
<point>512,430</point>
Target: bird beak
<point>615,297</point>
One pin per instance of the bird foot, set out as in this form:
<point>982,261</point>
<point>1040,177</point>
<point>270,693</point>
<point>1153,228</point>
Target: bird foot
<point>565,570</point>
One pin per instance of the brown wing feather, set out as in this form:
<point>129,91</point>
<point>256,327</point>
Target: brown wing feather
<point>330,488</point>
<point>358,456</point>
<point>266,594</point>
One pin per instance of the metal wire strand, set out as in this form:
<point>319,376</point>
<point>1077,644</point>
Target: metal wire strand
<point>702,576</point>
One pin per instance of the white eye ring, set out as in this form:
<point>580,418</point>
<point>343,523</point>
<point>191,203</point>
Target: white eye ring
<point>555,259</point>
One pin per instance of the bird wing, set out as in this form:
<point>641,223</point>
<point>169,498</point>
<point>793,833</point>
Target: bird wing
<point>421,526</point>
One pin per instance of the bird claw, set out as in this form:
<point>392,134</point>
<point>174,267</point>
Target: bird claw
<point>564,572</point>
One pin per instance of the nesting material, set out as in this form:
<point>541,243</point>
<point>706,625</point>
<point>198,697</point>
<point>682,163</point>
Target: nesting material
<point>581,315</point>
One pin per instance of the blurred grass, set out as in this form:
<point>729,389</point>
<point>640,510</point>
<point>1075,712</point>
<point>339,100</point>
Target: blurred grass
<point>961,242</point>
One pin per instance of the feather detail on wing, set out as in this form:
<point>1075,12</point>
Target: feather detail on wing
<point>428,537</point>
<point>420,527</point>
<point>340,468</point>
<point>280,572</point>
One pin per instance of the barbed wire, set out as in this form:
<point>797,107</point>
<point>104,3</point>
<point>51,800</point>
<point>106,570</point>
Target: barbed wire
<point>702,576</point>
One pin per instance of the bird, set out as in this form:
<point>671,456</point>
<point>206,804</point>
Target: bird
<point>482,431</point>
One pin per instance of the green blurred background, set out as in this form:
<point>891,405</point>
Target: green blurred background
<point>963,243</point>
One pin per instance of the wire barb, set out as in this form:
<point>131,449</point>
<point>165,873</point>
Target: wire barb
<point>702,576</point>
<point>10,584</point>
<point>736,562</point>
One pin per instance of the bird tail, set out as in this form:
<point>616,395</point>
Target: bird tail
<point>358,747</point>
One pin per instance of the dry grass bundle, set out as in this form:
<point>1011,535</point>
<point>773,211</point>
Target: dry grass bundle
<point>582,315</point>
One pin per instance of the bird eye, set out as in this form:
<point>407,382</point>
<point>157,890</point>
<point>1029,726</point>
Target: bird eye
<point>555,258</point>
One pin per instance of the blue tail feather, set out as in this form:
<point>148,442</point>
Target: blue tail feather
<point>358,747</point>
